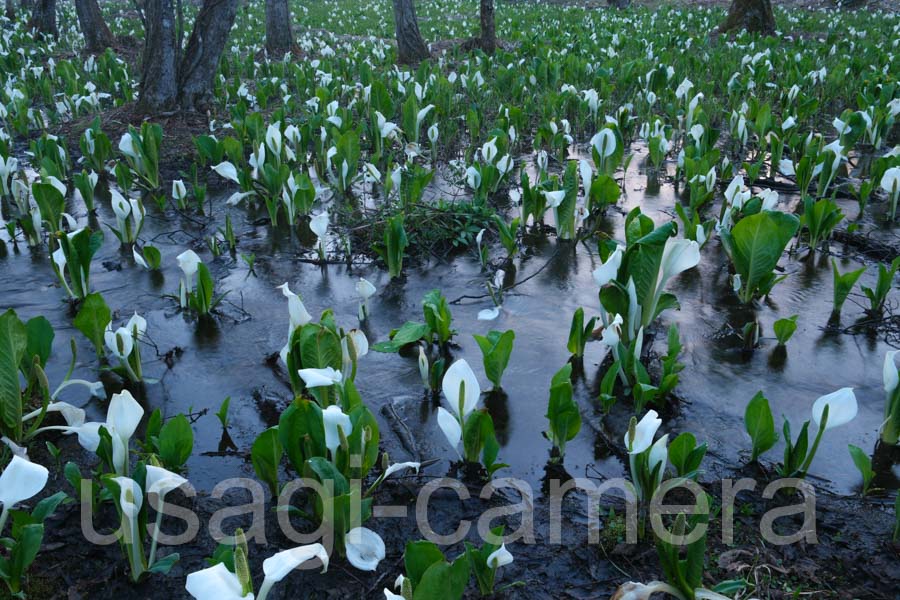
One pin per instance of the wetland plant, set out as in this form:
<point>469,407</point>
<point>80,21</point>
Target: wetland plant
<point>828,412</point>
<point>72,260</point>
<point>141,152</point>
<point>843,285</point>
<point>435,330</point>
<point>230,577</point>
<point>755,245</point>
<point>562,412</point>
<point>890,430</point>
<point>201,299</point>
<point>124,344</point>
<point>646,459</point>
<point>496,348</point>
<point>579,333</point>
<point>760,425</point>
<point>129,217</point>
<point>22,480</point>
<point>878,295</point>
<point>474,428</point>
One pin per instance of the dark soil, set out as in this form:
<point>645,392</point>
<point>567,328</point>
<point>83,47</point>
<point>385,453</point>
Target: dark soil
<point>852,558</point>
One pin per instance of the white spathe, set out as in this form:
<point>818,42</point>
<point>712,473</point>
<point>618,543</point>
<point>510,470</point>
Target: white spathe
<point>643,433</point>
<point>460,383</point>
<point>161,481</point>
<point>227,170</point>
<point>842,408</point>
<point>499,557</point>
<point>215,583</point>
<point>450,427</point>
<point>320,377</point>
<point>278,566</point>
<point>610,269</point>
<point>365,548</point>
<point>20,481</point>
<point>333,418</point>
<point>131,499</point>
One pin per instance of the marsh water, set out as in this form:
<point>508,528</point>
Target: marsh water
<point>197,365</point>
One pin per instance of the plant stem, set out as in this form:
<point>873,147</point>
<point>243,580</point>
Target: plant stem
<point>159,518</point>
<point>137,569</point>
<point>264,590</point>
<point>131,374</point>
<point>815,446</point>
<point>3,516</point>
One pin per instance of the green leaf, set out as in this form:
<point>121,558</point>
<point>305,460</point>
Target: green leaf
<point>604,191</point>
<point>863,464</point>
<point>443,581</point>
<point>25,551</point>
<point>479,438</point>
<point>13,344</point>
<point>92,319</point>
<point>40,342</point>
<point>176,442</point>
<point>320,348</point>
<point>784,329</point>
<point>326,471</point>
<point>418,557</point>
<point>843,284</point>
<point>165,564</point>
<point>496,349</point>
<point>760,425</point>
<point>266,455</point>
<point>152,256</point>
<point>409,333</point>
<point>562,411</point>
<point>755,245</point>
<point>302,432</point>
<point>46,507</point>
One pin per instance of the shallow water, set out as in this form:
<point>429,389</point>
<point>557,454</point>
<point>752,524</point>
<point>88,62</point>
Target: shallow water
<point>229,358</point>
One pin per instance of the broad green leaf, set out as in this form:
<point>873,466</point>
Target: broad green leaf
<point>176,442</point>
<point>407,334</point>
<point>785,328</point>
<point>13,344</point>
<point>418,557</point>
<point>92,319</point>
<point>755,245</point>
<point>266,456</point>
<point>40,342</point>
<point>760,425</point>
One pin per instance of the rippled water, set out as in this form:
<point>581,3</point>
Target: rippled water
<point>231,357</point>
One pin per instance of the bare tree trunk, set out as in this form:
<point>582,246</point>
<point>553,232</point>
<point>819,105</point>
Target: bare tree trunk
<point>97,36</point>
<point>488,32</point>
<point>10,9</point>
<point>411,47</point>
<point>279,38</point>
<point>43,17</point>
<point>204,49</point>
<point>159,88</point>
<point>753,15</point>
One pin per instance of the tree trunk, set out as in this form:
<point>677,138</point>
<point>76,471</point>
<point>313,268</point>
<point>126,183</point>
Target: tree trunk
<point>11,10</point>
<point>159,88</point>
<point>753,15</point>
<point>204,49</point>
<point>43,17</point>
<point>410,46</point>
<point>488,33</point>
<point>279,38</point>
<point>97,36</point>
